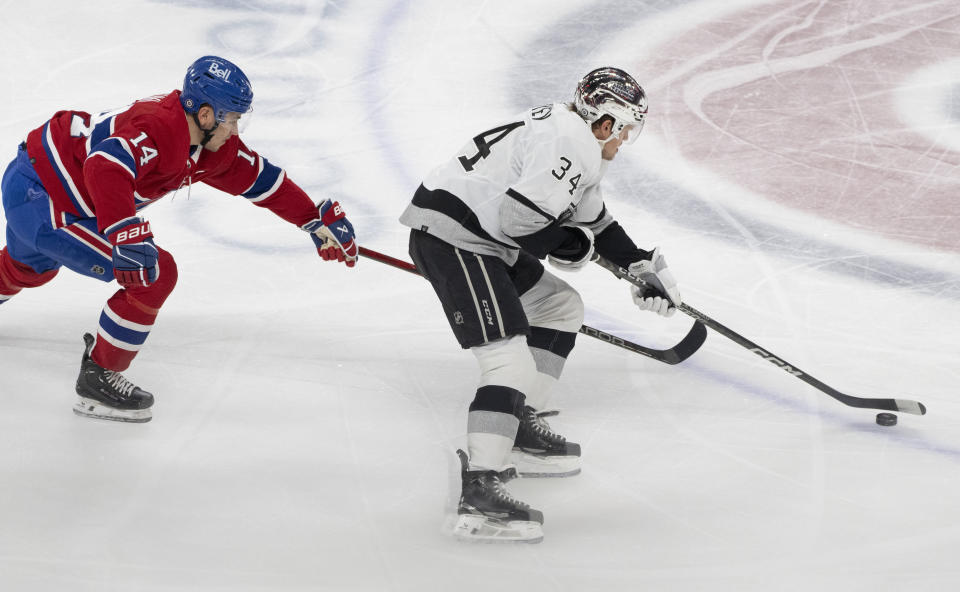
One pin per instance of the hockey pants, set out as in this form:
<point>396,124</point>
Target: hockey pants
<point>36,250</point>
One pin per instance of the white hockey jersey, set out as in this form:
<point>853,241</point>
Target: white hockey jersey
<point>513,180</point>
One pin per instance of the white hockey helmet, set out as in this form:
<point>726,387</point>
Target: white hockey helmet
<point>613,92</point>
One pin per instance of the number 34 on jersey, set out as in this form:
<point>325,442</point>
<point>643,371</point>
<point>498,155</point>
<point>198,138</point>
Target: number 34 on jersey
<point>486,140</point>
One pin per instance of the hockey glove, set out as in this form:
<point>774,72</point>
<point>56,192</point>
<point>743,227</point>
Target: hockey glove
<point>575,251</point>
<point>134,252</point>
<point>333,234</point>
<point>661,294</point>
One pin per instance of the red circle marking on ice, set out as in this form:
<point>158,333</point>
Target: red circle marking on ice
<point>798,105</point>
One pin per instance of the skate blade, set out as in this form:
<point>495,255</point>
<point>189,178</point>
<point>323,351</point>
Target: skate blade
<point>90,408</point>
<point>481,529</point>
<point>531,465</point>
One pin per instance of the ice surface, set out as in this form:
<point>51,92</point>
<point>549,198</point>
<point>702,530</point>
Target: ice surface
<point>799,170</point>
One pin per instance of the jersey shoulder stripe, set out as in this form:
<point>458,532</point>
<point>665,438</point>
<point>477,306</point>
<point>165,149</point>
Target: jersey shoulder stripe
<point>100,132</point>
<point>267,182</point>
<point>117,151</point>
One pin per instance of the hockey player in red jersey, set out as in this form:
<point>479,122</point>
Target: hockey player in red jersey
<point>73,194</point>
<point>517,193</point>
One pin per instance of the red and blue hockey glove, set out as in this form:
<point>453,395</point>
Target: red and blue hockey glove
<point>134,253</point>
<point>333,234</point>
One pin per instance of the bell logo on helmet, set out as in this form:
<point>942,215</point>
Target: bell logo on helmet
<point>218,82</point>
<point>219,72</point>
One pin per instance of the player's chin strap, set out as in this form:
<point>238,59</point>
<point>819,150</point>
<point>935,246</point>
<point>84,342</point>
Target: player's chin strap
<point>207,134</point>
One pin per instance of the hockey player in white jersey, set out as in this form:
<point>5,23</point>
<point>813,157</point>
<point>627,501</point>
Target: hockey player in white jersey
<point>522,191</point>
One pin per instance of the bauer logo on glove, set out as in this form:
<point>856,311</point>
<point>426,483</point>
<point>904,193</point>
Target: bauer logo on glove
<point>134,252</point>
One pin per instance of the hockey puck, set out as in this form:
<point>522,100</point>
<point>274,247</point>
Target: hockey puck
<point>886,419</point>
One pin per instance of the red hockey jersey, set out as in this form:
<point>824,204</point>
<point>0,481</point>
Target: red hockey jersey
<point>113,164</point>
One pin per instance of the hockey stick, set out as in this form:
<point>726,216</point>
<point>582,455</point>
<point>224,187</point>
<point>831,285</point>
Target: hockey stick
<point>676,354</point>
<point>904,405</point>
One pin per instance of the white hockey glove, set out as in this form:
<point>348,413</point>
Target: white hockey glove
<point>575,252</point>
<point>661,294</point>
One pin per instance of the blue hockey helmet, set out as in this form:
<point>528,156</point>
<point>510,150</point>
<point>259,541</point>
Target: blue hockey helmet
<point>217,82</point>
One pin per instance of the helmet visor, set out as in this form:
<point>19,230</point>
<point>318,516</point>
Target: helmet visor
<point>240,122</point>
<point>631,132</point>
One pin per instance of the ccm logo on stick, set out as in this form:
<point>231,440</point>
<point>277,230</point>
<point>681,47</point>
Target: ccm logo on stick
<point>602,336</point>
<point>776,361</point>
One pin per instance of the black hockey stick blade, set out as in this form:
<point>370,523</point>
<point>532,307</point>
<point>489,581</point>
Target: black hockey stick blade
<point>903,405</point>
<point>676,354</point>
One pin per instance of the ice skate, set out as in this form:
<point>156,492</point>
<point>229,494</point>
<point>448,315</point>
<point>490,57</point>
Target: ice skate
<point>105,394</point>
<point>540,452</point>
<point>488,513</point>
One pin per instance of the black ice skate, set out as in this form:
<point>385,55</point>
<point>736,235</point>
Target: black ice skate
<point>539,452</point>
<point>488,513</point>
<point>106,394</point>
